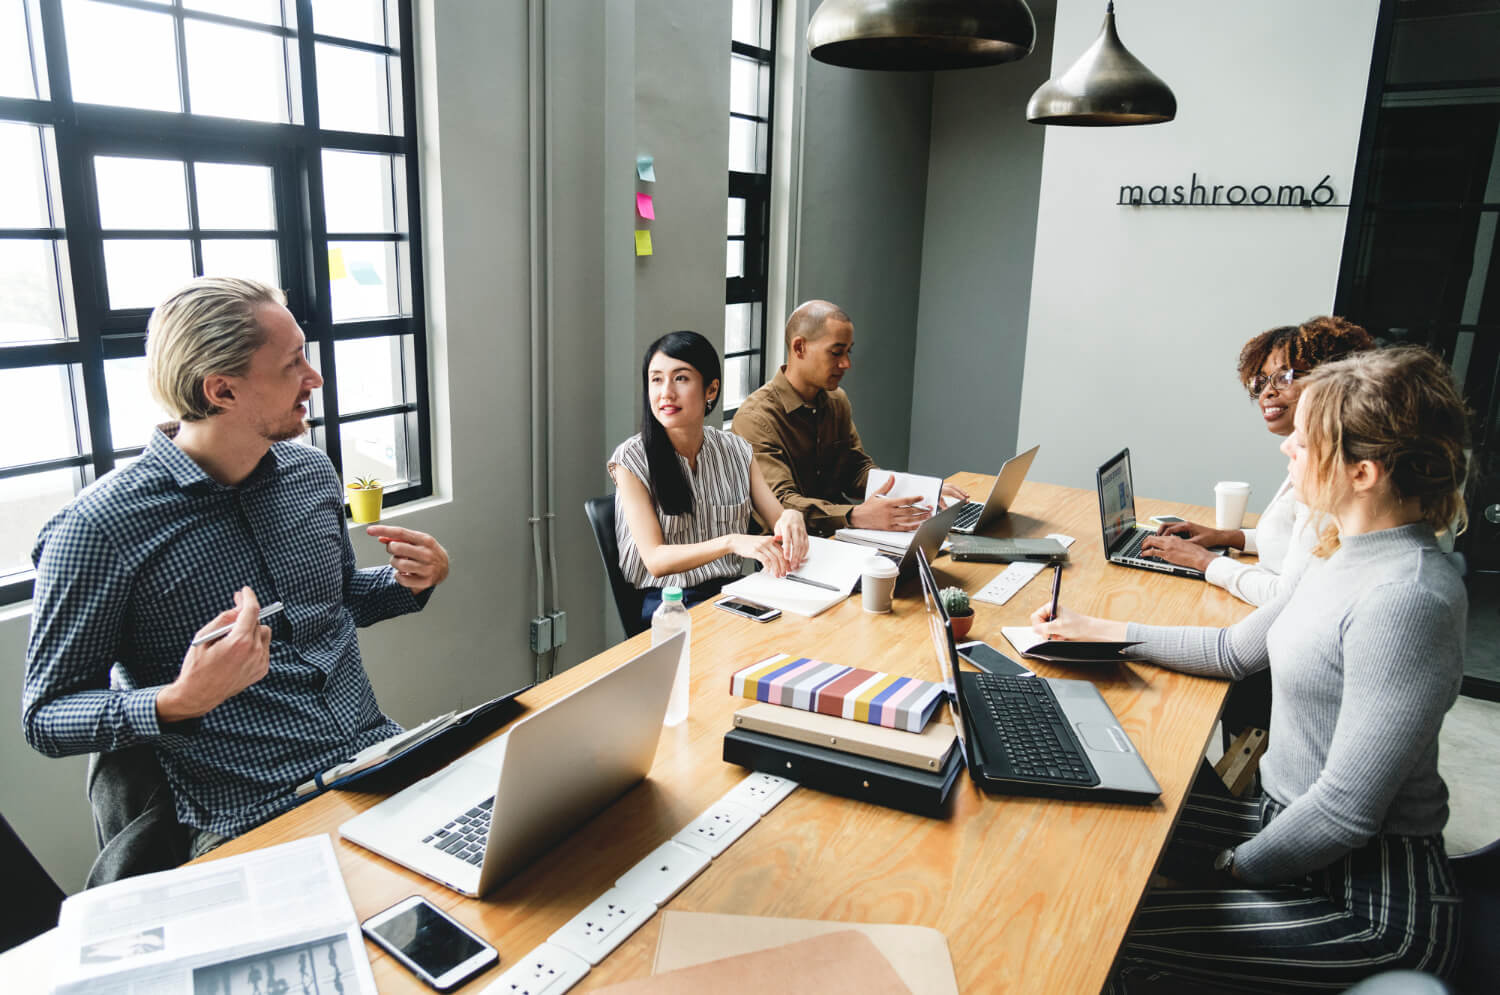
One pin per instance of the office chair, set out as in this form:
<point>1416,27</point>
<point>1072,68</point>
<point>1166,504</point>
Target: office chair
<point>601,512</point>
<point>32,897</point>
<point>1478,875</point>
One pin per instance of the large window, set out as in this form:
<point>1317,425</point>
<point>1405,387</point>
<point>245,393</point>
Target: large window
<point>753,42</point>
<point>143,142</point>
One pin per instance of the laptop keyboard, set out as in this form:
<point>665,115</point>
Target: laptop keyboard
<point>968,516</point>
<point>1033,729</point>
<point>465,836</point>
<point>1132,548</point>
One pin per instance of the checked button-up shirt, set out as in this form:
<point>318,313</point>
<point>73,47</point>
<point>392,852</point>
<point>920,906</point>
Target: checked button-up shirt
<point>143,558</point>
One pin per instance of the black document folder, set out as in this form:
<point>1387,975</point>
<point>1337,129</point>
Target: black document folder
<point>877,781</point>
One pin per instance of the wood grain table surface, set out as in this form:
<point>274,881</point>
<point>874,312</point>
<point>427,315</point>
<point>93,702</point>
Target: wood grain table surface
<point>1034,895</point>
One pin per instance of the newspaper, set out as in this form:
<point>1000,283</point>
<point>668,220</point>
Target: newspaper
<point>276,920</point>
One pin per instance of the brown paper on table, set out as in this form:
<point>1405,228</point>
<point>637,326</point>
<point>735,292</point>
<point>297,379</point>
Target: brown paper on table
<point>919,954</point>
<point>845,962</point>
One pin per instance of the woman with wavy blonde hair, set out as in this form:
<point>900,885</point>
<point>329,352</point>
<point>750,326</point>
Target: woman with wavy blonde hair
<point>1337,871</point>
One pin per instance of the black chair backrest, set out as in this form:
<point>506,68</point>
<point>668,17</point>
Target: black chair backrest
<point>601,512</point>
<point>1478,875</point>
<point>32,897</point>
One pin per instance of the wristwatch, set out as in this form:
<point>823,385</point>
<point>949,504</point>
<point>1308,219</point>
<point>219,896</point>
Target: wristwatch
<point>1224,862</point>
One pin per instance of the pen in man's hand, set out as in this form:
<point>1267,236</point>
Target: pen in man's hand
<point>1056,588</point>
<point>223,630</point>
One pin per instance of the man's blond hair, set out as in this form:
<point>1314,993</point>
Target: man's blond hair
<point>207,327</point>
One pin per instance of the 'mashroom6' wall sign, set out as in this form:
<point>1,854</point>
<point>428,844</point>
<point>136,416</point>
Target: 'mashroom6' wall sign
<point>1196,194</point>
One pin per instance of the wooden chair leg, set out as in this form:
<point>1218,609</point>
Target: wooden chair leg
<point>1239,763</point>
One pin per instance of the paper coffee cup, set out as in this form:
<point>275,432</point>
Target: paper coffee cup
<point>1230,498</point>
<point>878,583</point>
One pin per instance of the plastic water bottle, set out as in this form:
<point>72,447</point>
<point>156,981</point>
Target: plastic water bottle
<point>669,619</point>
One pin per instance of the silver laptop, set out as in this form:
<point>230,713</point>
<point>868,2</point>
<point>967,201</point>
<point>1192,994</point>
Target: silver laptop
<point>976,516</point>
<point>489,813</point>
<point>1123,535</point>
<point>928,539</point>
<point>1035,735</point>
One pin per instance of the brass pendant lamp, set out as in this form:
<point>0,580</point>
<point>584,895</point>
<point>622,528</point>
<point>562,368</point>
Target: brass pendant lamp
<point>1106,87</point>
<point>920,34</point>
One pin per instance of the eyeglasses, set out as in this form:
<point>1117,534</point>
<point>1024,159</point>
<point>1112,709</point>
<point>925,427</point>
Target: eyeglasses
<point>1281,381</point>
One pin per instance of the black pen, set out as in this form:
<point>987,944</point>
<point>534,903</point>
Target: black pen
<point>1056,588</point>
<point>809,580</point>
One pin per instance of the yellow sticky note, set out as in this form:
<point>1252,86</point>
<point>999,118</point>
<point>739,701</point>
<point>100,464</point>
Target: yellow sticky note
<point>642,243</point>
<point>336,270</point>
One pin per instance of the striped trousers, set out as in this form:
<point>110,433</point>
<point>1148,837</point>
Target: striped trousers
<point>1391,904</point>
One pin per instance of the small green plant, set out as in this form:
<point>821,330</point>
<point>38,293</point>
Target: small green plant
<point>365,484</point>
<point>956,602</point>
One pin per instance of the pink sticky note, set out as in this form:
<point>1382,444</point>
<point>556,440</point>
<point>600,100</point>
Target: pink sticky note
<point>644,207</point>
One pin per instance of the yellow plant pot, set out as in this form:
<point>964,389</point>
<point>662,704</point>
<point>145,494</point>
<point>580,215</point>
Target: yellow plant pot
<point>364,503</point>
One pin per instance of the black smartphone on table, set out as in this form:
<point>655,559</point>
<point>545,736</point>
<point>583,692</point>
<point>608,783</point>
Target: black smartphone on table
<point>991,661</point>
<point>430,943</point>
<point>748,609</point>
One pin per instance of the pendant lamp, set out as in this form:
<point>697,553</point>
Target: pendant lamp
<point>920,34</point>
<point>1106,87</point>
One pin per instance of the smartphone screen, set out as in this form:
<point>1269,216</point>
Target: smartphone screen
<point>427,938</point>
<point>992,661</point>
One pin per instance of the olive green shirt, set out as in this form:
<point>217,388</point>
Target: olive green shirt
<point>810,454</point>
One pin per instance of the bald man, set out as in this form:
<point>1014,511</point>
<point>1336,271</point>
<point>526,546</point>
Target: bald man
<point>801,428</point>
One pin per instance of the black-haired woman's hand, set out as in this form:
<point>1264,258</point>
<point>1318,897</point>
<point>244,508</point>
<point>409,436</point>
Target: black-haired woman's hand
<point>766,549</point>
<point>791,531</point>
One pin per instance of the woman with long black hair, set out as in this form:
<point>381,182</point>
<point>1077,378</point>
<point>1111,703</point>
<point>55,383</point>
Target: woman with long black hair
<point>684,490</point>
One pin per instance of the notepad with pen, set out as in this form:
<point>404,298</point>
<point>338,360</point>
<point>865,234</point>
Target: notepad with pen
<point>849,692</point>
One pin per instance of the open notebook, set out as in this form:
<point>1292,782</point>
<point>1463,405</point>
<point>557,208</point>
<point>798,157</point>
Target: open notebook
<point>825,578</point>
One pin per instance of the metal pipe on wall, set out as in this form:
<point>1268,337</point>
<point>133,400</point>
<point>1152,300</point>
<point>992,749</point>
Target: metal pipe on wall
<point>536,126</point>
<point>549,337</point>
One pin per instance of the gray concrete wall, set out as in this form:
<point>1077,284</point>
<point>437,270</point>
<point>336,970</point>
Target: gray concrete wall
<point>983,178</point>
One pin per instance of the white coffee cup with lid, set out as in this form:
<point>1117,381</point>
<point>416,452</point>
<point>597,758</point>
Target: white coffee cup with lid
<point>878,583</point>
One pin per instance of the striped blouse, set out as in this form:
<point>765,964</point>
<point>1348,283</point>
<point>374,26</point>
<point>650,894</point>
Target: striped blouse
<point>721,505</point>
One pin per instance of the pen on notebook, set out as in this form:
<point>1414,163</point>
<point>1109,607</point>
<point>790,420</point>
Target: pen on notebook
<point>808,580</point>
<point>1056,587</point>
<point>223,630</point>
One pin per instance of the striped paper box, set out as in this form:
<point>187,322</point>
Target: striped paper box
<point>846,692</point>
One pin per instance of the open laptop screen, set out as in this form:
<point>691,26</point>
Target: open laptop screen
<point>943,647</point>
<point>1116,499</point>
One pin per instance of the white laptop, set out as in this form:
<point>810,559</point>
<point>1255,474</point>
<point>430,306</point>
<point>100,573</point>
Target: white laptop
<point>977,516</point>
<point>490,812</point>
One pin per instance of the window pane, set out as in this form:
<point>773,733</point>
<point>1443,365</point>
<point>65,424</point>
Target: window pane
<point>736,381</point>
<point>367,281</point>
<point>738,327</point>
<point>736,216</point>
<point>23,184</point>
<point>371,447</point>
<point>734,259</point>
<point>26,504</point>
<point>40,398</point>
<point>747,146</point>
<point>746,24</point>
<point>370,372</point>
<point>121,56</point>
<point>132,411</point>
<point>15,52</point>
<point>143,272</point>
<point>30,299</point>
<point>747,85</point>
<point>231,195</point>
<point>359,190</point>
<point>352,90</point>
<point>141,193</point>
<point>236,72</point>
<point>251,258</point>
<point>264,11</point>
<point>362,20</point>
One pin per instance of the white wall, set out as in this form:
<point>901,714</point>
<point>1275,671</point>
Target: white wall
<point>1138,314</point>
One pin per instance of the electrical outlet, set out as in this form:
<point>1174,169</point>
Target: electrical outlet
<point>541,634</point>
<point>722,824</point>
<point>761,792</point>
<point>547,970</point>
<point>605,924</point>
<point>559,628</point>
<point>664,872</point>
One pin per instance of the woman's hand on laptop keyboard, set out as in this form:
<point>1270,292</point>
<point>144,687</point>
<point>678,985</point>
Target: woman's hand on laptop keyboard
<point>1177,551</point>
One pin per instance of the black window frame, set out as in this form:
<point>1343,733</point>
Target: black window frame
<point>294,151</point>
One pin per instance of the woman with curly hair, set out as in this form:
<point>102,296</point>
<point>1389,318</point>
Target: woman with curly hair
<point>1273,367</point>
<point>1337,871</point>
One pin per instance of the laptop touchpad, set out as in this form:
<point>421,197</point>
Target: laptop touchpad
<point>1109,739</point>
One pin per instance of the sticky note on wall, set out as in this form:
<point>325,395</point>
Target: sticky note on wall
<point>645,168</point>
<point>336,270</point>
<point>644,207</point>
<point>642,243</point>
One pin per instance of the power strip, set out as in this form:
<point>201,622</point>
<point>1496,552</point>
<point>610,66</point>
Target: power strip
<point>1014,577</point>
<point>555,966</point>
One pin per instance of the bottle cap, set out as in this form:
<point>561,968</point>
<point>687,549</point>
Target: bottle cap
<point>671,594</point>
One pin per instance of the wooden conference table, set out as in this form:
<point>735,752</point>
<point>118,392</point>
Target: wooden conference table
<point>1034,895</point>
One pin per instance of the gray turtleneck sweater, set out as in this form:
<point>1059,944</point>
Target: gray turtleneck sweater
<point>1366,652</point>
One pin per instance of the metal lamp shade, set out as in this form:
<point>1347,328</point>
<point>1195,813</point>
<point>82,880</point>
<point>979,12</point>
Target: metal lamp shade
<point>1106,87</point>
<point>920,34</point>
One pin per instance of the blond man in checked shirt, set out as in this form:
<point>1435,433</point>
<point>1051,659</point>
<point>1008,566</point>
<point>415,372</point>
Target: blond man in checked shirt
<point>220,508</point>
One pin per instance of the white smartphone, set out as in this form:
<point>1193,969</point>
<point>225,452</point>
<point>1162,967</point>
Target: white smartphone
<point>1167,519</point>
<point>990,660</point>
<point>431,943</point>
<point>748,609</point>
